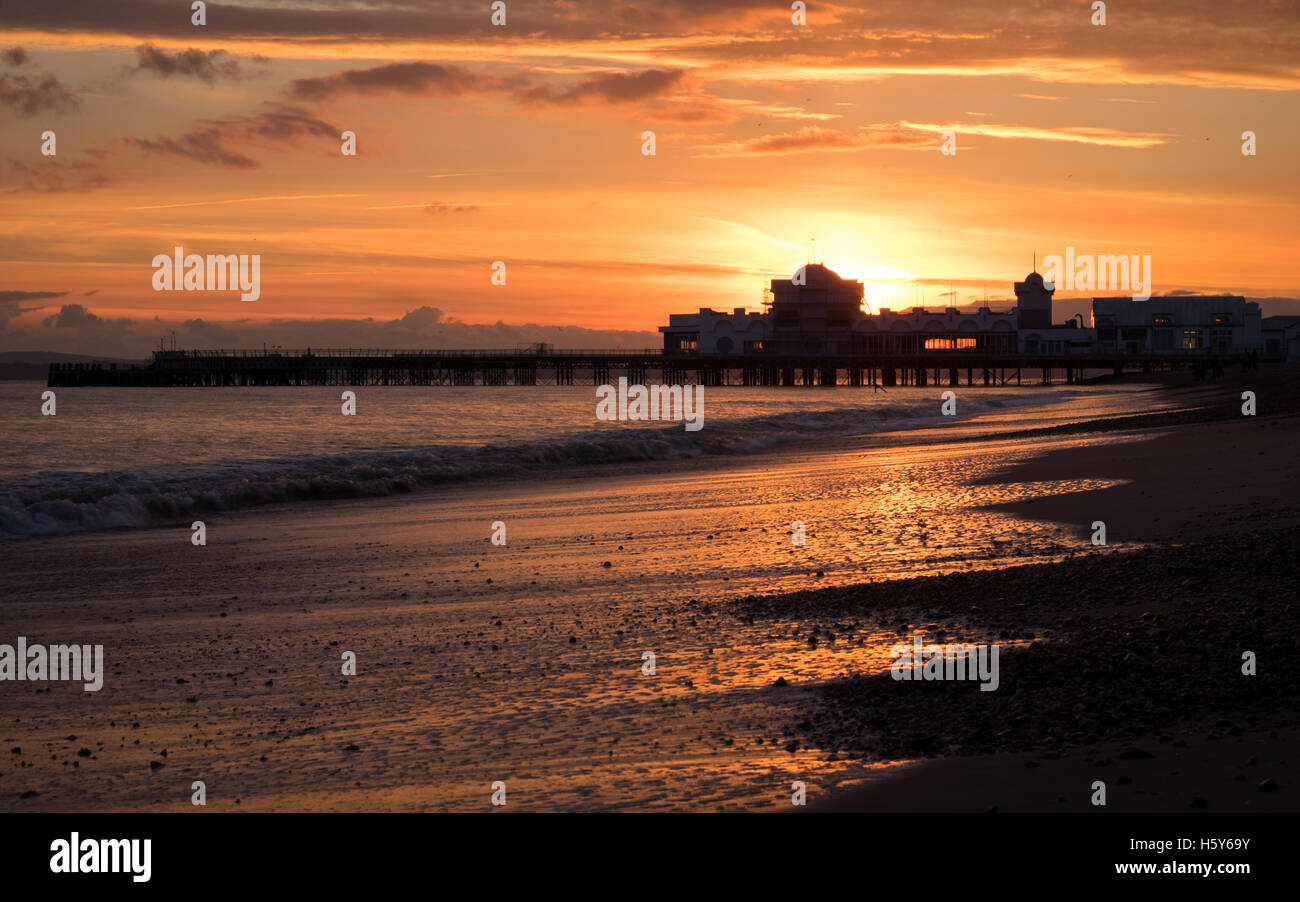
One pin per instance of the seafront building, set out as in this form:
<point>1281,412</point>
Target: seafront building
<point>1220,324</point>
<point>818,313</point>
<point>1282,337</point>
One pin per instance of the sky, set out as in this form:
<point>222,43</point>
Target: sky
<point>524,144</point>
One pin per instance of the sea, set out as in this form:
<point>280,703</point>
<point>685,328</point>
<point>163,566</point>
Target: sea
<point>112,458</point>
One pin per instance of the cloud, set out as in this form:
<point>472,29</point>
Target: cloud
<point>1250,45</point>
<point>77,329</point>
<point>440,207</point>
<point>420,318</point>
<point>610,87</point>
<point>918,136</point>
<point>72,316</point>
<point>204,145</point>
<point>11,296</point>
<point>14,56</point>
<point>11,302</point>
<point>1076,134</point>
<point>423,326</point>
<point>77,323</point>
<point>413,79</point>
<point>30,97</point>
<point>815,138</point>
<point>425,79</point>
<point>206,66</point>
<point>53,175</point>
<point>211,142</point>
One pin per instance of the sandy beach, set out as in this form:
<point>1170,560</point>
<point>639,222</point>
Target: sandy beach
<point>524,663</point>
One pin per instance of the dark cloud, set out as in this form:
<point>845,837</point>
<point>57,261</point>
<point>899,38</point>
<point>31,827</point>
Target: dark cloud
<point>380,21</point>
<point>439,207</point>
<point>31,97</point>
<point>11,303</point>
<point>417,79</point>
<point>384,21</point>
<point>75,316</point>
<point>52,175</point>
<point>224,142</point>
<point>425,79</point>
<point>1184,41</point>
<point>206,66</point>
<point>205,145</point>
<point>77,329</point>
<point>814,138</point>
<point>613,87</point>
<point>14,56</point>
<point>424,326</point>
<point>420,318</point>
<point>1205,42</point>
<point>11,296</point>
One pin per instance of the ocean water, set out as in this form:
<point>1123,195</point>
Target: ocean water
<point>138,457</point>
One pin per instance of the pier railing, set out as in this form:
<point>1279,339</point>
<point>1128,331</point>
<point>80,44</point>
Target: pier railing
<point>544,365</point>
<point>382,353</point>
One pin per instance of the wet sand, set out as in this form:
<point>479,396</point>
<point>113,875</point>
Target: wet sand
<point>1132,672</point>
<point>1218,774</point>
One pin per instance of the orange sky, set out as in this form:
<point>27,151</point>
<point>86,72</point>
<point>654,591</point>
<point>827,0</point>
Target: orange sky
<point>523,144</point>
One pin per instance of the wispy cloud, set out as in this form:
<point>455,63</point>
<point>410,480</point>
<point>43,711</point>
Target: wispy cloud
<point>214,141</point>
<point>442,206</point>
<point>55,176</point>
<point>1074,134</point>
<point>816,139</point>
<point>243,200</point>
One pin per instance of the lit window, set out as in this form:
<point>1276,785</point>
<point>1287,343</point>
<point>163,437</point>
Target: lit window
<point>949,344</point>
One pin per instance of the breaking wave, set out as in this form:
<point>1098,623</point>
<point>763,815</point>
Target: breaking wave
<point>51,503</point>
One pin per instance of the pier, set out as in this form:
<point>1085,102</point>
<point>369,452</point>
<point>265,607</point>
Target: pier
<point>544,365</point>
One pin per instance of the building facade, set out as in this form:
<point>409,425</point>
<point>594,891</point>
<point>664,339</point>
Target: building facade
<point>1219,324</point>
<point>818,313</point>
<point>1282,337</point>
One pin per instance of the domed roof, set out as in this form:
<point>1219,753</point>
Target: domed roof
<point>818,274</point>
<point>1034,279</point>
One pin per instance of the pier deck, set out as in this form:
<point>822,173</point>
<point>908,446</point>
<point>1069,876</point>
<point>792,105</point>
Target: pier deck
<point>364,367</point>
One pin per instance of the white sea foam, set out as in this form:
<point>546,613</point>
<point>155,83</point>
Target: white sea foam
<point>48,502</point>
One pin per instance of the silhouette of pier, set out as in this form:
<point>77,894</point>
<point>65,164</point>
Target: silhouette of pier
<point>543,365</point>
